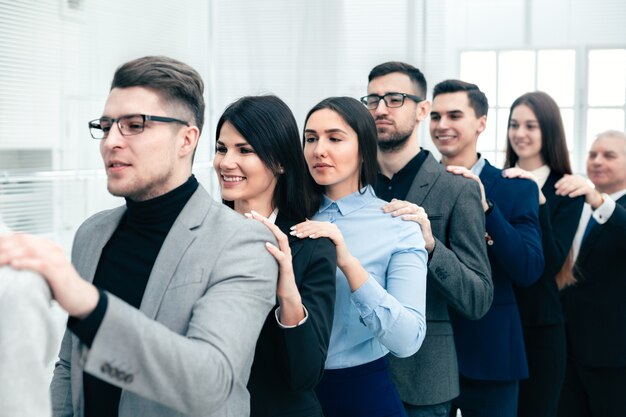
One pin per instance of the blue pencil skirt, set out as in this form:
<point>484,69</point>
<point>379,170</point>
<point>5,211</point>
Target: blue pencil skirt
<point>361,391</point>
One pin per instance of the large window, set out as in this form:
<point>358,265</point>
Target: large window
<point>606,100</point>
<point>589,105</point>
<point>505,75</point>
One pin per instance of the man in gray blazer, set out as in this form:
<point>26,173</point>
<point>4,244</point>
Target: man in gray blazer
<point>181,284</point>
<point>28,341</point>
<point>450,213</point>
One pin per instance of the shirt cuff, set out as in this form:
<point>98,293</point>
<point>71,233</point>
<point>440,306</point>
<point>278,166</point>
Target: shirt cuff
<point>368,296</point>
<point>282,326</point>
<point>603,213</point>
<point>87,328</point>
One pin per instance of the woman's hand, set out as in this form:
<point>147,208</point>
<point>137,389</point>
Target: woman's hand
<point>412,212</point>
<point>291,309</point>
<point>521,173</point>
<point>315,229</point>
<point>348,264</point>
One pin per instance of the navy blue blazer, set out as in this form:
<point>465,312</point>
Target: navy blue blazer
<point>492,348</point>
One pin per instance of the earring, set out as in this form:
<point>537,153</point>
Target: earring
<point>281,171</point>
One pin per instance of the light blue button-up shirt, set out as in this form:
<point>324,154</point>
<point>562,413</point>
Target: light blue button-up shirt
<point>387,313</point>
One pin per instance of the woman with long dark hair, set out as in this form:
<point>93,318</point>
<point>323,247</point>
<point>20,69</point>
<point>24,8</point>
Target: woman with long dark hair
<point>262,174</point>
<point>537,149</point>
<point>381,275</point>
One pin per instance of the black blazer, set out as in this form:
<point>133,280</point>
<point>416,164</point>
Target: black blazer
<point>539,304</point>
<point>288,363</point>
<point>595,307</point>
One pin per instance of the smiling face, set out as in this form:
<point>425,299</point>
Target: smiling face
<point>606,164</point>
<point>454,128</point>
<point>524,135</point>
<point>153,162</point>
<point>244,179</point>
<point>331,150</point>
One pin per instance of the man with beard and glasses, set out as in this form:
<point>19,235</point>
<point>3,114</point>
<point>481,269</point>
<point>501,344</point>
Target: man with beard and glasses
<point>167,294</point>
<point>450,214</point>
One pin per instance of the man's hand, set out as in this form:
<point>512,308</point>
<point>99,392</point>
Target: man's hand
<point>413,212</point>
<point>575,185</point>
<point>459,170</point>
<point>22,251</point>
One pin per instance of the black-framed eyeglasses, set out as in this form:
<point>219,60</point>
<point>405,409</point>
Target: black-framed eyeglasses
<point>391,100</point>
<point>131,124</point>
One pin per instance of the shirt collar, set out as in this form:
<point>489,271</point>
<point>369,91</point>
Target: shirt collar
<point>477,168</point>
<point>349,203</point>
<point>618,194</point>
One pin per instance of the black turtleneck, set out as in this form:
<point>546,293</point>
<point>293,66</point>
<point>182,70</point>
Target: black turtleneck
<point>123,270</point>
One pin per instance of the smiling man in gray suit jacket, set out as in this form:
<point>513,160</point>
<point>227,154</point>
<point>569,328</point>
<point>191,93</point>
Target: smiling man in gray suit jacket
<point>181,284</point>
<point>453,223</point>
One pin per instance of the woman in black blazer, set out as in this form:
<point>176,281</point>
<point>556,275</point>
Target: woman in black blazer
<point>537,149</point>
<point>261,171</point>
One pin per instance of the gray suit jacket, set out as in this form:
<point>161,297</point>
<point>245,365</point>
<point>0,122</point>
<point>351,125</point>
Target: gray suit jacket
<point>458,276</point>
<point>189,348</point>
<point>27,343</point>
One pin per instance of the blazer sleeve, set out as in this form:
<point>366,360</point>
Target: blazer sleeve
<point>215,352</point>
<point>26,343</point>
<point>557,233</point>
<point>303,348</point>
<point>461,272</point>
<point>517,239</point>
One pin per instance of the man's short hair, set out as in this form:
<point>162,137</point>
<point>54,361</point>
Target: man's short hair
<point>477,99</point>
<point>174,81</point>
<point>415,75</point>
<point>611,133</point>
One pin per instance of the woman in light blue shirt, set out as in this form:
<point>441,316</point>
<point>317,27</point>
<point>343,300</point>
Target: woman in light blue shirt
<point>381,275</point>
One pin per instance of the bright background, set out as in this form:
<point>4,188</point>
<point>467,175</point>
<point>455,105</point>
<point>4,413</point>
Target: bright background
<point>57,58</point>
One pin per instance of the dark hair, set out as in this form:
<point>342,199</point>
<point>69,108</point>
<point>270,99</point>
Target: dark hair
<point>553,144</point>
<point>477,99</point>
<point>414,74</point>
<point>175,82</point>
<point>269,126</point>
<point>354,113</point>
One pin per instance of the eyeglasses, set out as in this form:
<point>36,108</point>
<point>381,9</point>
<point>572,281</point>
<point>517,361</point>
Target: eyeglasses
<point>391,100</point>
<point>132,124</point>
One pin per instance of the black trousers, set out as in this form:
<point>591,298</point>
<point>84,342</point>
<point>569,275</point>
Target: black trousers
<point>593,392</point>
<point>546,354</point>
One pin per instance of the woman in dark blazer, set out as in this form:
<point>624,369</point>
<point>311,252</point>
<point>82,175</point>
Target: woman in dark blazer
<point>537,149</point>
<point>261,171</point>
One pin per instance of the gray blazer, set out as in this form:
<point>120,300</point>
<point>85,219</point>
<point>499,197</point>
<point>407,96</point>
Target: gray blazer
<point>189,348</point>
<point>459,276</point>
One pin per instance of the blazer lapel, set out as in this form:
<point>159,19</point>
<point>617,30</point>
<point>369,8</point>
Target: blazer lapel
<point>424,180</point>
<point>590,240</point>
<point>180,236</point>
<point>488,177</point>
<point>91,247</point>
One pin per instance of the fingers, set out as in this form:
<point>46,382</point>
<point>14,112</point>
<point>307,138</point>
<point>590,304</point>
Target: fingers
<point>517,173</point>
<point>283,241</point>
<point>316,229</point>
<point>400,207</point>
